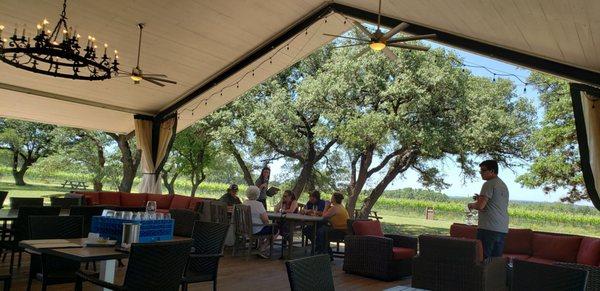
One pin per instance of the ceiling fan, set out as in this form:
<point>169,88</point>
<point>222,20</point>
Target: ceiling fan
<point>138,75</point>
<point>378,41</point>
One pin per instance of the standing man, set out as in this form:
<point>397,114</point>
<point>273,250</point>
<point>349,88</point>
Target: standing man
<point>492,205</point>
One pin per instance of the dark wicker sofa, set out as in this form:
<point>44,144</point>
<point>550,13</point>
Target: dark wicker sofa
<point>370,253</point>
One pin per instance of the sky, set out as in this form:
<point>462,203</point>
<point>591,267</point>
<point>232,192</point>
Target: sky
<point>459,187</point>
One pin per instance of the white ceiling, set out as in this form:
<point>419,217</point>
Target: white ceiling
<point>192,40</point>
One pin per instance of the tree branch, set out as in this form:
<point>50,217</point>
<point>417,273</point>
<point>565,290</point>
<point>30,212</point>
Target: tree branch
<point>384,162</point>
<point>326,149</point>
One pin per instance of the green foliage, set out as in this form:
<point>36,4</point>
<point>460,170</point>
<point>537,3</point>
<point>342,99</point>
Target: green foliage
<point>556,163</point>
<point>416,194</point>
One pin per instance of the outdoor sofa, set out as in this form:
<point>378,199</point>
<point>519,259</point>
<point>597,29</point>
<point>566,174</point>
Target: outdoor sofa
<point>164,202</point>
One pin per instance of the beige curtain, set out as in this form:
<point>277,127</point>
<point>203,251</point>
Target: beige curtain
<point>151,182</point>
<point>591,115</point>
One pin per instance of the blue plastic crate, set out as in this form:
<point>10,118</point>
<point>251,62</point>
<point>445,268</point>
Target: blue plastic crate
<point>150,230</point>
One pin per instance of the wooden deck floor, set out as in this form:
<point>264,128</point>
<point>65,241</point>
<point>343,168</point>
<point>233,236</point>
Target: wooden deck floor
<point>235,273</point>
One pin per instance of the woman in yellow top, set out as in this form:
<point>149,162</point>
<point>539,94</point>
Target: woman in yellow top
<point>338,217</point>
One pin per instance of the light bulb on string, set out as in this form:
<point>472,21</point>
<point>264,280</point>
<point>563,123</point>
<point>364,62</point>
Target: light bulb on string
<point>494,80</point>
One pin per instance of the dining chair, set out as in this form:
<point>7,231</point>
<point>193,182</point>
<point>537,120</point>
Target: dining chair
<point>7,279</point>
<point>152,266</point>
<point>244,236</point>
<point>87,212</point>
<point>20,229</point>
<point>207,249</point>
<point>218,212</point>
<point>311,273</point>
<point>48,269</point>
<point>65,203</point>
<point>184,221</point>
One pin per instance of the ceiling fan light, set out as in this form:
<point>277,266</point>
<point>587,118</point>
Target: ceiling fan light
<point>377,46</point>
<point>136,78</point>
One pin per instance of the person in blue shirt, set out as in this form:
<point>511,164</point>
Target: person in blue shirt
<point>315,206</point>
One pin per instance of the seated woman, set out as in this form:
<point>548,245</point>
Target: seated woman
<point>288,203</point>
<point>259,219</point>
<point>338,219</point>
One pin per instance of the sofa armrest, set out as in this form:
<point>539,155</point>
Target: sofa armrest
<point>365,247</point>
<point>405,241</point>
<point>493,273</point>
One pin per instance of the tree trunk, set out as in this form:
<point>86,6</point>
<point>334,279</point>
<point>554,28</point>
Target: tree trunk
<point>19,173</point>
<point>241,163</point>
<point>358,178</point>
<point>400,164</point>
<point>170,185</point>
<point>196,181</point>
<point>129,161</point>
<point>303,178</point>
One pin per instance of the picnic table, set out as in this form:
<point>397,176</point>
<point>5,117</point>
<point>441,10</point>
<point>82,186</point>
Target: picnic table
<point>75,184</point>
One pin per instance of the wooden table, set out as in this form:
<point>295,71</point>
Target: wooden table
<point>294,219</point>
<point>73,249</point>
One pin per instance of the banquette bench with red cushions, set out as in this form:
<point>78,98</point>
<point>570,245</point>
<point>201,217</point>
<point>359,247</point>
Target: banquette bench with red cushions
<point>163,202</point>
<point>541,247</point>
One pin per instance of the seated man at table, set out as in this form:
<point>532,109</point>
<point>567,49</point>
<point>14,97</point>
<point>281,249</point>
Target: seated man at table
<point>315,206</point>
<point>231,197</point>
<point>259,219</point>
<point>338,218</point>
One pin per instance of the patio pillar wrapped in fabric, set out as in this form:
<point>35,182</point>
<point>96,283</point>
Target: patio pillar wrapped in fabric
<point>154,138</point>
<point>587,123</point>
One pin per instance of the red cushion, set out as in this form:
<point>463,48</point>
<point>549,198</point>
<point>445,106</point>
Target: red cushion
<point>589,251</point>
<point>403,253</point>
<point>541,261</point>
<point>91,198</point>
<point>367,227</point>
<point>463,230</point>
<point>554,247</point>
<point>194,201</point>
<point>516,256</point>
<point>133,200</point>
<point>163,211</point>
<point>162,201</point>
<point>518,241</point>
<point>110,198</point>
<point>179,202</point>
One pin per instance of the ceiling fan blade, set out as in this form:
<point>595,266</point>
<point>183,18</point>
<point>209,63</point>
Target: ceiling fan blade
<point>359,54</point>
<point>153,82</point>
<point>350,45</point>
<point>346,37</point>
<point>409,38</point>
<point>389,54</point>
<point>409,46</point>
<point>361,28</point>
<point>159,79</point>
<point>396,29</point>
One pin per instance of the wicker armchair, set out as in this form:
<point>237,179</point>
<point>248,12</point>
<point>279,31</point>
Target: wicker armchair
<point>20,230</point>
<point>312,273</point>
<point>593,280</point>
<point>152,266</point>
<point>373,254</point>
<point>184,221</point>
<point>447,263</point>
<point>48,269</point>
<point>536,276</point>
<point>207,250</point>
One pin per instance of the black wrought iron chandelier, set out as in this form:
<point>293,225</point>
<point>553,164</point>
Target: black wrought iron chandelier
<point>58,53</point>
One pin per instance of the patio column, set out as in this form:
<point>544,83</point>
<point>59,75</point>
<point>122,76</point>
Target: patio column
<point>586,108</point>
<point>154,138</point>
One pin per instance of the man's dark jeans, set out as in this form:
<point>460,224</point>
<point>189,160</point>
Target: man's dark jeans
<point>492,242</point>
